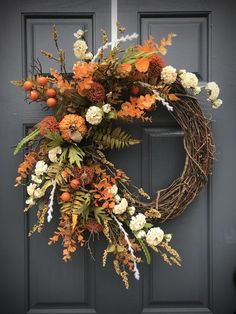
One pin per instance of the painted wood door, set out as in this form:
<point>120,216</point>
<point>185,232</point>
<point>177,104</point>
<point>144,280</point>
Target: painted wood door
<point>34,279</point>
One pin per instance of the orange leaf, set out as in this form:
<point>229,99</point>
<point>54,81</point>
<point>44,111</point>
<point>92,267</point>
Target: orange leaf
<point>142,64</point>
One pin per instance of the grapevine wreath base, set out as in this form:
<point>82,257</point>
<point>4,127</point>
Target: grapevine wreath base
<point>65,158</point>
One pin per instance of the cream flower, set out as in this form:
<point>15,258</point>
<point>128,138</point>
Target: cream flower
<point>188,79</point>
<point>79,34</point>
<point>94,115</point>
<point>80,48</point>
<point>168,74</point>
<point>36,179</point>
<point>141,234</point>
<point>155,236</point>
<point>197,90</point>
<point>114,189</point>
<point>30,201</point>
<point>121,207</point>
<point>40,168</point>
<point>137,222</point>
<point>106,108</point>
<point>168,237</point>
<point>117,198</point>
<point>88,56</point>
<point>38,193</point>
<point>217,103</point>
<point>131,210</point>
<point>52,154</point>
<point>213,90</point>
<point>31,188</point>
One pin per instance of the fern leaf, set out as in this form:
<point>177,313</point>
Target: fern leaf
<point>75,155</point>
<point>26,139</point>
<point>81,204</point>
<point>100,215</point>
<point>113,138</point>
<point>56,139</point>
<point>54,172</point>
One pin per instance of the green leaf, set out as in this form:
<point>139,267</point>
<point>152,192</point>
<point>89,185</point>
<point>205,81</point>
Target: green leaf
<point>145,250</point>
<point>56,139</point>
<point>17,83</point>
<point>148,225</point>
<point>63,155</point>
<point>100,214</point>
<point>26,139</point>
<point>75,155</point>
<point>81,204</point>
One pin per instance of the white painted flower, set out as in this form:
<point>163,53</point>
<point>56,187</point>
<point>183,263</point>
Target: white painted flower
<point>121,207</point>
<point>52,154</point>
<point>137,222</point>
<point>31,188</point>
<point>131,210</point>
<point>88,56</point>
<point>38,193</point>
<point>188,79</point>
<point>141,234</point>
<point>30,201</point>
<point>106,108</point>
<point>40,168</point>
<point>80,48</point>
<point>168,74</point>
<point>36,179</point>
<point>117,198</point>
<point>168,237</point>
<point>217,103</point>
<point>155,236</point>
<point>79,34</point>
<point>213,89</point>
<point>114,189</point>
<point>94,115</point>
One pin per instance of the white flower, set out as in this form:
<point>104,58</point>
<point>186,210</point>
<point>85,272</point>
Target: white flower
<point>94,115</point>
<point>38,193</point>
<point>137,222</point>
<point>31,188</point>
<point>197,90</point>
<point>213,90</point>
<point>106,108</point>
<point>80,48</point>
<point>36,179</point>
<point>79,33</point>
<point>121,207</point>
<point>155,236</point>
<point>40,168</point>
<point>117,198</point>
<point>52,154</point>
<point>30,201</point>
<point>168,237</point>
<point>217,103</point>
<point>88,56</point>
<point>141,234</point>
<point>114,189</point>
<point>168,74</point>
<point>131,210</point>
<point>188,79</point>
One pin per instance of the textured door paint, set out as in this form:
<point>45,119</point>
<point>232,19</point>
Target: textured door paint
<point>33,277</point>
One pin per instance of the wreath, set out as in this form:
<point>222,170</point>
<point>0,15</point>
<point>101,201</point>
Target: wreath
<point>65,161</point>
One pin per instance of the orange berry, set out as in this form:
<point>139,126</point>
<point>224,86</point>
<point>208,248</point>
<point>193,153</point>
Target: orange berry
<point>135,90</point>
<point>34,95</point>
<point>65,197</point>
<point>51,92</point>
<point>51,102</point>
<point>42,80</point>
<point>27,85</point>
<point>75,183</point>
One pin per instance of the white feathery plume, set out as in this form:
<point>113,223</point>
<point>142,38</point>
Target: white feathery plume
<point>51,199</point>
<point>114,43</point>
<point>136,271</point>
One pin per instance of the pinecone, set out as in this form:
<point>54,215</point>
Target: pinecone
<point>155,67</point>
<point>93,226</point>
<point>84,174</point>
<point>96,93</point>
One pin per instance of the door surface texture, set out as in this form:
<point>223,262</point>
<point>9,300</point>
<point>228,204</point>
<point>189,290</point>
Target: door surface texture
<point>33,277</point>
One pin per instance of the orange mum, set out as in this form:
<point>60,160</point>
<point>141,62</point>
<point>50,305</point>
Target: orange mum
<point>48,123</point>
<point>124,69</point>
<point>142,64</point>
<point>82,70</point>
<point>72,125</point>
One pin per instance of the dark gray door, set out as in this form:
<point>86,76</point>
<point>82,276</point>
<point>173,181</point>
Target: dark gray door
<point>34,279</point>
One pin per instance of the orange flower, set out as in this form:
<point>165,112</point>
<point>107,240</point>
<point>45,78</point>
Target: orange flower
<point>142,64</point>
<point>61,82</point>
<point>124,69</point>
<point>146,102</point>
<point>72,125</point>
<point>130,110</point>
<point>84,85</point>
<point>82,70</point>
<point>26,166</point>
<point>148,46</point>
